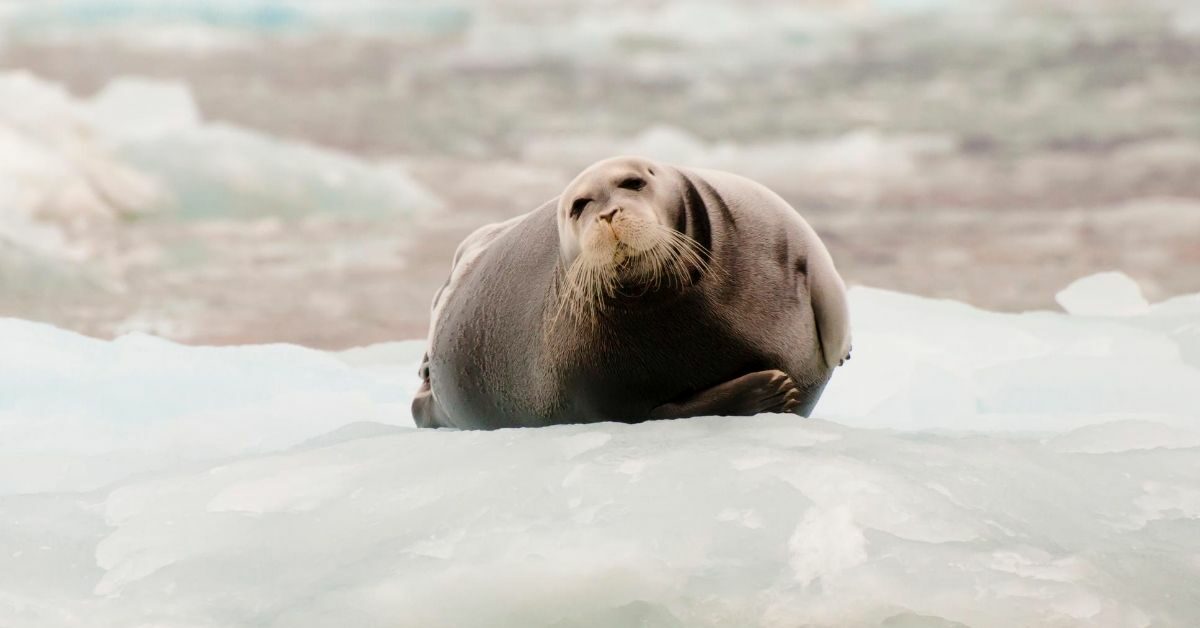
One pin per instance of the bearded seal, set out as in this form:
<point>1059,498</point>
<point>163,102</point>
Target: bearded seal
<point>644,291</point>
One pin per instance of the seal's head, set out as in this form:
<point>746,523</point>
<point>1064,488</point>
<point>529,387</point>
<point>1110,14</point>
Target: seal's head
<point>617,232</point>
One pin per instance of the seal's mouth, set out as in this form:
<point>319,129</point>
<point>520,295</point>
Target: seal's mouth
<point>614,271</point>
<point>622,257</point>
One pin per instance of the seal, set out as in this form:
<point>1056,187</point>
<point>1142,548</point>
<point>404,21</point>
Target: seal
<point>644,291</point>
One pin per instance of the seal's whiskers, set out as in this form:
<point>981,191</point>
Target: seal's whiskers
<point>592,280</point>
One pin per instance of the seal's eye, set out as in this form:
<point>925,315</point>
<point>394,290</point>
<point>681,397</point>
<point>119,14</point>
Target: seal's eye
<point>633,183</point>
<point>578,206</point>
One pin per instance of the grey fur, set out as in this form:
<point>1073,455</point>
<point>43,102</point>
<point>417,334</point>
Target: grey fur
<point>499,356</point>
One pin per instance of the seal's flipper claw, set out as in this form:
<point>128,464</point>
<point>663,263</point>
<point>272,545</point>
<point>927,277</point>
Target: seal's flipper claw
<point>762,391</point>
<point>423,371</point>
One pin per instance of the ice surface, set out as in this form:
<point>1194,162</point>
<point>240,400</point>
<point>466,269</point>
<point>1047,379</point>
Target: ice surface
<point>54,170</point>
<point>77,413</point>
<point>140,146</point>
<point>76,174</point>
<point>1103,294</point>
<point>222,170</point>
<point>959,368</point>
<point>133,107</point>
<point>964,468</point>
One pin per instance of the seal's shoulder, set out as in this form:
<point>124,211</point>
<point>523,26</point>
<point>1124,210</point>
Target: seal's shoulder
<point>750,200</point>
<point>479,240</point>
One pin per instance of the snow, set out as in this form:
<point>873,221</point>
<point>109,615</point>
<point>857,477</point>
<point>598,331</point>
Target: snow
<point>965,468</point>
<point>1103,294</point>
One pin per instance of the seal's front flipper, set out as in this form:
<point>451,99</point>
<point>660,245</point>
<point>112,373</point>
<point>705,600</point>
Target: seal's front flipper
<point>426,411</point>
<point>764,391</point>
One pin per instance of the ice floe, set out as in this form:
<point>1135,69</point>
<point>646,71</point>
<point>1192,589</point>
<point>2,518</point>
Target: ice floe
<point>965,468</point>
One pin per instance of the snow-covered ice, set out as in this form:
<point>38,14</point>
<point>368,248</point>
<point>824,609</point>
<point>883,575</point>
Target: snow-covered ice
<point>128,210</point>
<point>78,413</point>
<point>53,169</point>
<point>1103,294</point>
<point>140,147</point>
<point>213,167</point>
<point>965,468</point>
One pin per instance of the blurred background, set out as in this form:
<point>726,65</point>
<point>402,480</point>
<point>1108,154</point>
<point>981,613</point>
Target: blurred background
<point>236,171</point>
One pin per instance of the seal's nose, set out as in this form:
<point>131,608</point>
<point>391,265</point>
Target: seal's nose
<point>608,214</point>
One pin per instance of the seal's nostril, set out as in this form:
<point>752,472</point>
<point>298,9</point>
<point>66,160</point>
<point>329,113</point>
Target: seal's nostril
<point>607,215</point>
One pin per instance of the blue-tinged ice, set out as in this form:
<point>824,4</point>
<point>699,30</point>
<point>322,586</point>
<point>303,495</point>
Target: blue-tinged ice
<point>965,468</point>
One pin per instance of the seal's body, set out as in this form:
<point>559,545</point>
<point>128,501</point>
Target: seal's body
<point>747,315</point>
